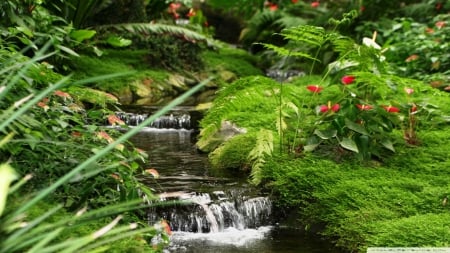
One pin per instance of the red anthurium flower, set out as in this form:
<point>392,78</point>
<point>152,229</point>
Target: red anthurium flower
<point>191,12</point>
<point>429,30</point>
<point>409,91</point>
<point>364,107</point>
<point>294,1</point>
<point>347,80</point>
<point>413,108</point>
<point>315,4</point>
<point>440,24</point>
<point>273,7</point>
<point>314,88</point>
<point>391,108</point>
<point>329,107</point>
<point>412,57</point>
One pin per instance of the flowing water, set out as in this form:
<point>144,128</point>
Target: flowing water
<point>210,211</point>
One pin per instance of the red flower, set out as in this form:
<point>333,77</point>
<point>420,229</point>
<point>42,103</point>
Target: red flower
<point>391,109</point>
<point>364,107</point>
<point>314,88</point>
<point>315,4</point>
<point>191,13</point>
<point>294,1</point>
<point>412,57</point>
<point>346,80</point>
<point>413,108</point>
<point>273,7</point>
<point>329,107</point>
<point>440,24</point>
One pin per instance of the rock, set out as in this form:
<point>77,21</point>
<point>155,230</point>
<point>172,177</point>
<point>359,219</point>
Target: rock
<point>142,89</point>
<point>125,95</point>
<point>227,76</point>
<point>177,81</point>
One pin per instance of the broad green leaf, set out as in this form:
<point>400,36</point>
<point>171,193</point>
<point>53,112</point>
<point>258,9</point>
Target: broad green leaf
<point>25,30</point>
<point>82,34</point>
<point>349,144</point>
<point>7,175</point>
<point>355,127</point>
<point>312,143</point>
<point>326,134</point>
<point>116,41</point>
<point>388,144</point>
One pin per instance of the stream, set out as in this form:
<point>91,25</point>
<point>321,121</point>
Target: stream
<point>210,211</point>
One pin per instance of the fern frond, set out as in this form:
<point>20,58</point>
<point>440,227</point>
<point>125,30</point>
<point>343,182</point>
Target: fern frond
<point>263,148</point>
<point>152,28</point>
<point>286,52</point>
<point>311,35</point>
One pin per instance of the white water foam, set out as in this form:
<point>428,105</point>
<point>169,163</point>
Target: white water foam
<point>229,236</point>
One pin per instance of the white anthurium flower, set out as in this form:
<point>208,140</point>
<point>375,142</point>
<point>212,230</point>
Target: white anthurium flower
<point>371,43</point>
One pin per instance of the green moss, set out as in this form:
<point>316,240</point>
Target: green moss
<point>371,204</point>
<point>235,60</point>
<point>227,156</point>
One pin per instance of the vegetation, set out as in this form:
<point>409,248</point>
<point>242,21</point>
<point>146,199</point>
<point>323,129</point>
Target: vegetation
<point>353,138</point>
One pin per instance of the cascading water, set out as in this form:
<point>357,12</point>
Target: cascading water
<point>210,212</point>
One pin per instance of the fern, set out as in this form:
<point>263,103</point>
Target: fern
<point>263,148</point>
<point>152,28</point>
<point>311,35</point>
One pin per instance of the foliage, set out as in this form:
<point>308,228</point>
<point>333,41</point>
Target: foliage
<point>77,12</point>
<point>171,47</point>
<point>362,115</point>
<point>29,26</point>
<point>231,59</point>
<point>369,205</point>
<point>420,50</point>
<point>48,136</point>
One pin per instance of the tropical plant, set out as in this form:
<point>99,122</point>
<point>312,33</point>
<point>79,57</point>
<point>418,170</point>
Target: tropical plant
<point>41,128</point>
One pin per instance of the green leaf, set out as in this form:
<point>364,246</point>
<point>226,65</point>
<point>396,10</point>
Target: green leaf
<point>388,144</point>
<point>349,144</point>
<point>312,143</point>
<point>82,34</point>
<point>116,41</point>
<point>67,50</point>
<point>326,134</point>
<point>25,30</point>
<point>7,175</point>
<point>355,127</point>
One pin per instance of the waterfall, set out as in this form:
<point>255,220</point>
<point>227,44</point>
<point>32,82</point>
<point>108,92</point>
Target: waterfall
<point>212,212</point>
<point>171,121</point>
